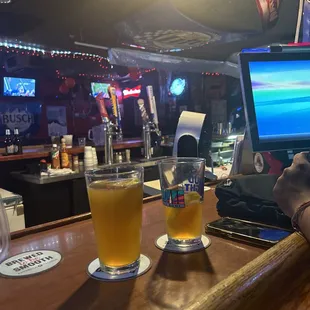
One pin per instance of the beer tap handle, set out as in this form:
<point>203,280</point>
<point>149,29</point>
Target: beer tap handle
<point>150,95</point>
<point>155,111</point>
<point>115,106</point>
<point>112,95</point>
<point>101,107</point>
<point>142,109</point>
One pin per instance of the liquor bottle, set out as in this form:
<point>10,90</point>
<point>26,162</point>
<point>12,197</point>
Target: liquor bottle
<point>64,155</point>
<point>8,143</point>
<point>55,157</point>
<point>18,147</point>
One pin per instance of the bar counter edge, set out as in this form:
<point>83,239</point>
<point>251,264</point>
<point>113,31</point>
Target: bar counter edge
<point>268,282</point>
<point>274,280</point>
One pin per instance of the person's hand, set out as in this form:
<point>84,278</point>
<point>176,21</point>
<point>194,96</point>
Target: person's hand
<point>293,186</point>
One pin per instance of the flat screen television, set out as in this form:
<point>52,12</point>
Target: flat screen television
<point>97,88</point>
<point>276,95</point>
<point>19,87</point>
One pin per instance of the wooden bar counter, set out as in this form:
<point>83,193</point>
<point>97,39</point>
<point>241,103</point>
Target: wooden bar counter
<point>175,281</point>
<point>227,275</point>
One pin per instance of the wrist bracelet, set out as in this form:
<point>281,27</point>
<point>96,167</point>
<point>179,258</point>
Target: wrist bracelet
<point>297,214</point>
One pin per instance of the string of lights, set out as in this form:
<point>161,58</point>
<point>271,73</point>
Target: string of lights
<point>147,70</point>
<point>34,50</point>
<point>211,73</point>
<point>37,50</point>
<point>87,75</point>
<point>100,76</point>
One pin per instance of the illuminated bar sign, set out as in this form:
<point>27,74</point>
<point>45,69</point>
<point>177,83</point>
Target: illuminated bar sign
<point>132,92</point>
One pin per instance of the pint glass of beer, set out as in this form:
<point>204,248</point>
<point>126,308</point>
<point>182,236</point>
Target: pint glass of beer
<point>182,186</point>
<point>115,197</point>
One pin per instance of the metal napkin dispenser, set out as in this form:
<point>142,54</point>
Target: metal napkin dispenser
<point>192,138</point>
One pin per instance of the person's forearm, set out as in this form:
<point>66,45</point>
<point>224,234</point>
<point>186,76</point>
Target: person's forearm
<point>304,223</point>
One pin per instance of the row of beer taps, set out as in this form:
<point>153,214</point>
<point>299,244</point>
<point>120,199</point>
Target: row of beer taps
<point>111,129</point>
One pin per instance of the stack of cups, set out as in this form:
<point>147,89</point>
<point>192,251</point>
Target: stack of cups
<point>127,152</point>
<point>88,158</point>
<point>95,159</point>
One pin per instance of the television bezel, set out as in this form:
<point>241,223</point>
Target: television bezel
<point>91,90</point>
<point>36,96</point>
<point>248,100</point>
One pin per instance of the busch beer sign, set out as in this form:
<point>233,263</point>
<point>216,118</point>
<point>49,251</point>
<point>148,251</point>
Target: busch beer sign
<point>25,117</point>
<point>20,119</point>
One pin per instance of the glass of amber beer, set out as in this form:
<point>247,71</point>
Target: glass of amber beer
<point>182,187</point>
<point>115,196</point>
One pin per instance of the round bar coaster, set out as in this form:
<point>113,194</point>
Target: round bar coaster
<point>163,244</point>
<point>29,263</point>
<point>94,270</point>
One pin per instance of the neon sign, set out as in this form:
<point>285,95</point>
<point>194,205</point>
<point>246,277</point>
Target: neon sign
<point>177,87</point>
<point>132,92</point>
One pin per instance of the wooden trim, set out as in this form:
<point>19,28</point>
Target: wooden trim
<point>43,152</point>
<point>63,222</point>
<point>50,225</point>
<point>244,288</point>
<point>151,198</point>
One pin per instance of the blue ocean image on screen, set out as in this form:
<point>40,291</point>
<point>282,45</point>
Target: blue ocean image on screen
<point>19,87</point>
<point>281,93</point>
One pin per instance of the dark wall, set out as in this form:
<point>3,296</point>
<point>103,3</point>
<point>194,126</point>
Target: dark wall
<point>195,98</point>
<point>76,102</point>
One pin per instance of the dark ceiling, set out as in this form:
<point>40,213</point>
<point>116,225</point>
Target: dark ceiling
<point>111,23</point>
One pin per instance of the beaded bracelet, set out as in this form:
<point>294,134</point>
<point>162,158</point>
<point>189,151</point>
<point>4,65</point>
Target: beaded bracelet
<point>297,214</point>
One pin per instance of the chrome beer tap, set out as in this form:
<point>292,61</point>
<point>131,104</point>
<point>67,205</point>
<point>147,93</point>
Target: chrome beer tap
<point>148,128</point>
<point>149,124</point>
<point>109,128</point>
<point>108,132</point>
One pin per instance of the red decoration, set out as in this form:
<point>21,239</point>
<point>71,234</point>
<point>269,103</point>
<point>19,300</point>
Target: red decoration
<point>63,89</point>
<point>70,82</point>
<point>275,165</point>
<point>134,73</point>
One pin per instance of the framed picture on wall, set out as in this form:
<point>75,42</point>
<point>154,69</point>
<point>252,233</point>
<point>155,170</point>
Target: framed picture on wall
<point>57,120</point>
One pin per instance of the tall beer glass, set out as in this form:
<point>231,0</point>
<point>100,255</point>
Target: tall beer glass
<point>116,197</point>
<point>182,186</point>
